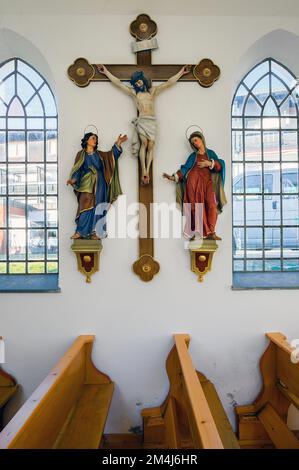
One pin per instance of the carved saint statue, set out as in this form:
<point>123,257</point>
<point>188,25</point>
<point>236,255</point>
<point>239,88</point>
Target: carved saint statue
<point>94,177</point>
<point>200,181</point>
<point>145,124</point>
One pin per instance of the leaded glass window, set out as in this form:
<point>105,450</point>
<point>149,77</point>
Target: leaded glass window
<point>265,178</point>
<point>28,173</point>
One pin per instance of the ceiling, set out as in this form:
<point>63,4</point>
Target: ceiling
<point>153,7</point>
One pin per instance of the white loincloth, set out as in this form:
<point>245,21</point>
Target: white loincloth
<point>145,126</point>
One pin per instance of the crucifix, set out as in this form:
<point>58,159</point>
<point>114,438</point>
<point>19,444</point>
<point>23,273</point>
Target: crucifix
<point>144,30</point>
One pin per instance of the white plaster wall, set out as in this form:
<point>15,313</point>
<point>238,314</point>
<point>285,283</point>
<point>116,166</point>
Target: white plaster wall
<point>134,321</point>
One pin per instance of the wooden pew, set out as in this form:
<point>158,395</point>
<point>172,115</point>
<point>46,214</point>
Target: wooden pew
<point>263,424</point>
<point>69,408</point>
<point>8,388</point>
<point>192,415</point>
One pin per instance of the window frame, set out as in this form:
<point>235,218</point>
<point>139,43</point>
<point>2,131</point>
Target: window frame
<point>263,278</point>
<point>31,281</point>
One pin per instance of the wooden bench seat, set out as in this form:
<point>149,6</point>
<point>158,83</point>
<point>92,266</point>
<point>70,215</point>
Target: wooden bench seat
<point>69,408</point>
<point>192,415</point>
<point>8,388</point>
<point>263,424</point>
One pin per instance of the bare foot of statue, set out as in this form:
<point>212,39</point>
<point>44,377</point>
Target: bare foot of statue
<point>213,236</point>
<point>94,236</point>
<point>76,236</point>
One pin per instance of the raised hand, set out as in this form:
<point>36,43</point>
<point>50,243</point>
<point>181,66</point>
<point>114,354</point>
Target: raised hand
<point>186,69</point>
<point>168,177</point>
<point>121,139</point>
<point>101,68</point>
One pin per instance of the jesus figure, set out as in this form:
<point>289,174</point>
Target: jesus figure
<point>145,124</point>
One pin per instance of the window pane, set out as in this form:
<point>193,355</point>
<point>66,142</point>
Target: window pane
<point>3,109</point>
<point>238,210</point>
<point>253,123</point>
<point>51,149</point>
<point>52,267</point>
<point>291,265</point>
<point>289,123</point>
<point>17,212</point>
<point>254,210</point>
<point>271,178</point>
<point>16,123</point>
<point>254,265</point>
<point>254,242</point>
<point>3,173</point>
<point>6,69</point>
<point>51,211</point>
<point>51,179</point>
<point>16,179</point>
<point>35,146</point>
<point>17,244</point>
<point>35,178</point>
<point>34,107</point>
<point>36,212</point>
<point>51,123</point>
<point>35,123</point>
<point>52,244</point>
<point>36,268</point>
<point>16,146</point>
<point>279,91</point>
<point>238,265</point>
<point>3,245</point>
<point>25,90</point>
<point>270,108</point>
<point>290,210</point>
<point>30,73</point>
<point>253,149</point>
<point>17,268</point>
<point>256,73</point>
<point>253,181</point>
<point>261,89</point>
<point>239,101</point>
<point>288,107</point>
<point>2,211</point>
<point>289,145</point>
<point>272,210</point>
<point>272,242</point>
<point>3,268</point>
<point>36,244</point>
<point>270,123</point>
<point>16,108</point>
<point>2,147</point>
<point>283,73</point>
<point>252,107</point>
<point>7,89</point>
<point>273,265</point>
<point>238,242</point>
<point>289,178</point>
<point>290,241</point>
<point>271,145</point>
<point>48,100</point>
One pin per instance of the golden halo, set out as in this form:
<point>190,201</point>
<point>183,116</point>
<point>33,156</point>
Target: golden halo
<point>91,125</point>
<point>192,125</point>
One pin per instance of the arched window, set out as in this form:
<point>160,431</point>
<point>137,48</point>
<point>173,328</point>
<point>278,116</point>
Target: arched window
<point>28,180</point>
<point>265,178</point>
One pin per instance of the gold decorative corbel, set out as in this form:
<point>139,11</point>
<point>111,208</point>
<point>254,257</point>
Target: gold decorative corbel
<point>202,252</point>
<point>88,256</point>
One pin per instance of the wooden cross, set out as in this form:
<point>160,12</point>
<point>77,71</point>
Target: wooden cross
<point>144,29</point>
